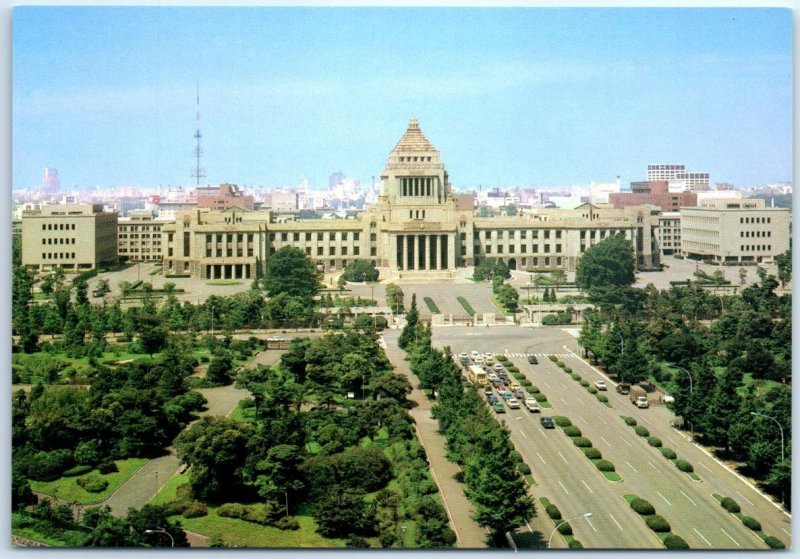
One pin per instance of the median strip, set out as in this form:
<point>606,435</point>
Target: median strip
<point>585,383</point>
<point>534,391</point>
<point>431,305</point>
<point>667,453</point>
<point>657,523</point>
<point>606,467</point>
<point>563,527</point>
<point>733,507</point>
<point>466,305</point>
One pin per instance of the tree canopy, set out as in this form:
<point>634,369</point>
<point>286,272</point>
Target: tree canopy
<point>290,271</point>
<point>609,263</point>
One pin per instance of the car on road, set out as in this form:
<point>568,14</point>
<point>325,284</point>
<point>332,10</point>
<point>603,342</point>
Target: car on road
<point>519,393</point>
<point>641,402</point>
<point>532,360</point>
<point>497,382</point>
<point>501,388</point>
<point>474,354</point>
<point>488,358</point>
<point>498,367</point>
<point>499,407</point>
<point>463,356</point>
<point>547,422</point>
<point>492,398</point>
<point>492,376</point>
<point>513,403</point>
<point>600,385</point>
<point>624,388</point>
<point>508,395</point>
<point>532,405</point>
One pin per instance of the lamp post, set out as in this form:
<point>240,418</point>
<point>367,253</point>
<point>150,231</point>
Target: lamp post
<point>550,539</point>
<point>162,531</point>
<point>691,394</point>
<point>779,427</point>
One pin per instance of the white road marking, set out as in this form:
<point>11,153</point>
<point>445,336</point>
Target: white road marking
<point>706,467</point>
<point>582,419</point>
<point>673,441</point>
<point>587,487</point>
<point>646,420</point>
<point>562,457</point>
<point>540,458</point>
<point>626,442</point>
<point>543,433</point>
<point>665,499</point>
<point>518,418</point>
<point>787,533</point>
<point>690,499</point>
<point>545,383</point>
<point>521,432</point>
<point>563,400</point>
<point>745,498</point>
<point>602,420</point>
<point>564,488</point>
<point>729,536</point>
<point>605,441</point>
<point>702,536</point>
<point>631,465</point>
<point>590,524</point>
<point>615,522</point>
<point>581,402</point>
<point>654,467</point>
<point>529,527</point>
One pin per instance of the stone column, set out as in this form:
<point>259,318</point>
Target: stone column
<point>451,251</point>
<point>393,263</point>
<point>434,251</point>
<point>409,252</point>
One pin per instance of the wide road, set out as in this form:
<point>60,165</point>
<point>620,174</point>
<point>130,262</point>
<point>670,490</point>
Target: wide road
<point>568,478</point>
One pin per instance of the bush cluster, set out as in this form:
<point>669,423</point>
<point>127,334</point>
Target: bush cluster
<point>92,483</point>
<point>77,471</point>
<point>685,466</point>
<point>194,509</point>
<point>572,431</point>
<point>642,507</point>
<point>774,543</point>
<point>582,442</point>
<point>265,514</point>
<point>592,453</point>
<point>642,431</point>
<point>730,505</point>
<point>751,523</point>
<point>673,541</point>
<point>654,441</point>
<point>630,421</point>
<point>668,453</point>
<point>605,465</point>
<point>562,421</point>
<point>657,523</point>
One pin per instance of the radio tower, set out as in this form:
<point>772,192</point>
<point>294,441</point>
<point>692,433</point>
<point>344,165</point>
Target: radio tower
<point>198,172</point>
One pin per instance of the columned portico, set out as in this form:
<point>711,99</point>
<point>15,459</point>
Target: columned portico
<point>422,252</point>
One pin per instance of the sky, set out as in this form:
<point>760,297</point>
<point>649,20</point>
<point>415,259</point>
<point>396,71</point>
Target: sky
<point>510,97</point>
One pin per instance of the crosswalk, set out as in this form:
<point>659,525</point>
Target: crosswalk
<point>507,354</point>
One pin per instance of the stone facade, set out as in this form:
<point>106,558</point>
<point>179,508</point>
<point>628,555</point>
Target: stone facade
<point>139,237</point>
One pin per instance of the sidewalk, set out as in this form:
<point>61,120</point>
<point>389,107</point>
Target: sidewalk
<point>468,533</point>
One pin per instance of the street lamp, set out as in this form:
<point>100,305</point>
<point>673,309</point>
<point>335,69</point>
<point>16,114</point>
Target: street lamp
<point>691,394</point>
<point>779,427</point>
<point>550,539</point>
<point>162,531</point>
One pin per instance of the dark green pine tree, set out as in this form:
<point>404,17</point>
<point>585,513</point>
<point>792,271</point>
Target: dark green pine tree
<point>409,333</point>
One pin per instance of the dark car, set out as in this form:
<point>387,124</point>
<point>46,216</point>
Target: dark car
<point>532,360</point>
<point>491,398</point>
<point>547,422</point>
<point>519,393</point>
<point>624,388</point>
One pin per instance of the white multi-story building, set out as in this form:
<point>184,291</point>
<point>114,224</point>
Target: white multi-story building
<point>599,191</point>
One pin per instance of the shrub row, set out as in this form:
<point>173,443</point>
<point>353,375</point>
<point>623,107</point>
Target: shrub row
<point>657,523</point>
<point>655,442</point>
<point>629,421</point>
<point>642,431</point>
<point>733,507</point>
<point>642,506</point>
<point>92,483</point>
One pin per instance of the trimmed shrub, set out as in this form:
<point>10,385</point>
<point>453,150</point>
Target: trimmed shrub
<point>668,453</point>
<point>539,396</point>
<point>585,383</point>
<point>642,507</point>
<point>657,523</point>
<point>92,483</point>
<point>287,523</point>
<point>572,431</point>
<point>602,397</point>
<point>532,387</point>
<point>560,420</point>
<point>553,512</point>
<point>501,358</point>
<point>575,376</point>
<point>568,370</point>
<point>565,529</point>
<point>592,390</point>
<point>575,544</point>
<point>673,541</point>
<point>77,471</point>
<point>109,467</point>
<point>751,523</point>
<point>523,468</point>
<point>560,364</point>
<point>513,368</point>
<point>592,453</point>
<point>774,543</point>
<point>685,466</point>
<point>605,466</point>
<point>194,509</point>
<point>582,442</point>
<point>630,421</point>
<point>730,505</point>
<point>642,431</point>
<point>232,510</point>
<point>552,358</point>
<point>654,441</point>
<point>515,456</point>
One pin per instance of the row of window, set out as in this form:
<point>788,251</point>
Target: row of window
<point>228,252</point>
<point>228,237</point>
<point>156,228</point>
<point>512,249</point>
<point>136,236</point>
<point>755,234</point>
<point>58,255</point>
<point>512,234</point>
<point>59,241</point>
<point>416,186</point>
<point>751,248</point>
<point>58,227</point>
<point>414,159</point>
<point>343,236</point>
<point>755,220</point>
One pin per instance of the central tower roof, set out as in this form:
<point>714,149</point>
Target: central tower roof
<point>414,150</point>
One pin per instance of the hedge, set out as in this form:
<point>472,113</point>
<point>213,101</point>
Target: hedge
<point>539,396</point>
<point>77,471</point>
<point>501,358</point>
<point>523,468</point>
<point>553,512</point>
<point>605,466</point>
<point>568,370</point>
<point>654,441</point>
<point>560,364</point>
<point>668,453</point>
<point>642,431</point>
<point>592,453</point>
<point>642,507</point>
<point>685,466</point>
<point>575,376</point>
<point>751,523</point>
<point>552,358</point>
<point>533,388</point>
<point>592,390</point>
<point>560,420</point>
<point>657,523</point>
<point>93,483</point>
<point>602,397</point>
<point>673,541</point>
<point>730,505</point>
<point>774,543</point>
<point>194,509</point>
<point>572,431</point>
<point>585,383</point>
<point>630,421</point>
<point>575,544</point>
<point>581,442</point>
<point>565,529</point>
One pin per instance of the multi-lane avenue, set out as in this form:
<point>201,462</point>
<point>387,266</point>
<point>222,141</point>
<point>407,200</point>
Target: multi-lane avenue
<point>566,477</point>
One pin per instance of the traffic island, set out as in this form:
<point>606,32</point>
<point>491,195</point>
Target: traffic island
<point>657,523</point>
<point>534,391</point>
<point>668,453</point>
<point>562,527</point>
<point>602,398</point>
<point>733,507</point>
<point>606,467</point>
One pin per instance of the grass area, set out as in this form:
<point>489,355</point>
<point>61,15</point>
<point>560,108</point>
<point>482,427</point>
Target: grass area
<point>67,488</point>
<point>32,534</point>
<point>240,413</point>
<point>466,305</point>
<point>431,305</point>
<point>39,296</point>
<point>502,308</point>
<point>612,476</point>
<point>224,282</point>
<point>168,491</point>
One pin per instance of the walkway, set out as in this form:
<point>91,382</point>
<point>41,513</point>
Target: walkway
<point>459,509</point>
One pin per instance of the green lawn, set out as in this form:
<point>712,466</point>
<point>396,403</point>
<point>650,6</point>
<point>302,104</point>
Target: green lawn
<point>240,413</point>
<point>466,305</point>
<point>501,308</point>
<point>431,305</point>
<point>75,536</point>
<point>224,282</point>
<point>67,488</point>
<point>167,493</point>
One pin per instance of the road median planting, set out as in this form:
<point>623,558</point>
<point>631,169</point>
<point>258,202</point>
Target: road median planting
<point>655,522</point>
<point>605,467</point>
<point>431,305</point>
<point>602,398</point>
<point>466,305</point>
<point>534,391</point>
<point>563,527</point>
<point>733,507</point>
<point>683,465</point>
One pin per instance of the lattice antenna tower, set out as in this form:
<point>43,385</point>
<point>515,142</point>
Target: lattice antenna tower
<point>197,172</point>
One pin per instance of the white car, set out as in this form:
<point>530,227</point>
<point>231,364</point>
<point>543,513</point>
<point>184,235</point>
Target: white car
<point>492,376</point>
<point>463,356</point>
<point>474,354</point>
<point>600,385</point>
<point>498,367</point>
<point>667,399</point>
<point>513,403</point>
<point>532,405</point>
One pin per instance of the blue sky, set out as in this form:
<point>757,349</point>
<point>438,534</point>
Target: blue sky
<point>509,96</point>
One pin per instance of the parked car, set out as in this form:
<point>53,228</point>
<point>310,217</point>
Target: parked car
<point>513,403</point>
<point>532,360</point>
<point>532,405</point>
<point>600,385</point>
<point>492,398</point>
<point>463,356</point>
<point>624,388</point>
<point>474,354</point>
<point>492,376</point>
<point>547,422</point>
<point>498,367</point>
<point>508,395</point>
<point>499,407</point>
<point>519,393</point>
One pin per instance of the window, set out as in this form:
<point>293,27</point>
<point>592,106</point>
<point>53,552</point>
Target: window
<point>356,236</point>
<point>523,249</point>
<point>344,236</point>
<point>283,237</point>
<point>373,237</point>
<point>297,236</point>
<point>308,236</point>
<point>356,251</point>
<point>499,249</point>
<point>331,251</point>
<point>308,251</point>
<point>373,251</point>
<point>488,249</point>
<point>319,236</point>
<point>558,248</point>
<point>547,234</point>
<point>319,251</point>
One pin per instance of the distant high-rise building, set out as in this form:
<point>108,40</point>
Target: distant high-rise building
<point>661,172</point>
<point>680,180</point>
<point>51,183</point>
<point>335,179</point>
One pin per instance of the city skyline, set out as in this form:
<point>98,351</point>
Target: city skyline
<point>554,96</point>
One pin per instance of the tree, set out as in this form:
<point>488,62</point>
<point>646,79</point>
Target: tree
<point>360,271</point>
<point>559,278</point>
<point>394,298</point>
<point>742,276</point>
<point>290,271</point>
<point>410,330</point>
<point>609,263</point>
<point>341,513</point>
<point>784,262</point>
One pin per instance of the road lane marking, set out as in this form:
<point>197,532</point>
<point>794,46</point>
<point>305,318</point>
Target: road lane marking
<point>626,442</point>
<point>646,420</point>
<point>562,457</point>
<point>581,402</point>
<point>787,533</point>
<point>590,524</point>
<point>605,441</point>
<point>745,498</point>
<point>673,441</point>
<point>654,467</point>
<point>603,420</point>
<point>564,488</point>
<point>702,536</point>
<point>665,499</point>
<point>706,467</point>
<point>631,465</point>
<point>518,418</point>
<point>563,400</point>
<point>529,527</point>
<point>729,536</point>
<point>545,383</point>
<point>521,432</point>
<point>582,419</point>
<point>543,433</point>
<point>587,487</point>
<point>615,522</point>
<point>690,499</point>
<point>540,458</point>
